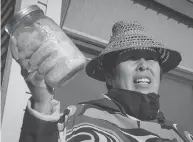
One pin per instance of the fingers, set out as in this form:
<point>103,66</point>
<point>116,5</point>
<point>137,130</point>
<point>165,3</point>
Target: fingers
<point>36,79</point>
<point>22,56</point>
<point>57,73</point>
<point>30,48</point>
<point>41,54</point>
<point>48,64</point>
<point>62,72</point>
<point>13,47</point>
<point>24,63</point>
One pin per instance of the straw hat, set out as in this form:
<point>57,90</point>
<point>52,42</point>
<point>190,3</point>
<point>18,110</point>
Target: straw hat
<point>129,38</point>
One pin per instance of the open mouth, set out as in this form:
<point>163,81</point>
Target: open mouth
<point>142,80</point>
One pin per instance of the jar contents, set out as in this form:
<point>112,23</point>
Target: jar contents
<point>45,41</point>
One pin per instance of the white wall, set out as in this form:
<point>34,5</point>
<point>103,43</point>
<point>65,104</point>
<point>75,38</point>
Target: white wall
<point>14,106</point>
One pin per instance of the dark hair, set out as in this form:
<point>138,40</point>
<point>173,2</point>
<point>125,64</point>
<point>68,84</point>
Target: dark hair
<point>109,87</point>
<point>109,62</point>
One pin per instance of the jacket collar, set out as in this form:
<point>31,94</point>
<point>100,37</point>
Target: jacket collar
<point>104,102</point>
<point>113,107</point>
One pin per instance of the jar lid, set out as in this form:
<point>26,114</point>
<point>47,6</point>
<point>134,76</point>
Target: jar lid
<point>16,18</point>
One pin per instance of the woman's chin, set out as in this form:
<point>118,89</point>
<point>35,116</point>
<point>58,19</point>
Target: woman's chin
<point>144,90</point>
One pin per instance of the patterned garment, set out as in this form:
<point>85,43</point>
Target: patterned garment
<point>102,121</point>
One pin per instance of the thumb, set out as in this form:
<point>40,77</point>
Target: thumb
<point>36,79</point>
<point>33,78</point>
<point>13,47</point>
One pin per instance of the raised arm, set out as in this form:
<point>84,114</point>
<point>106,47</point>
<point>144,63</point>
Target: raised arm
<point>41,66</point>
<point>41,92</point>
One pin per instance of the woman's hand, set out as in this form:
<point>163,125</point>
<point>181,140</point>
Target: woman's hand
<point>41,93</point>
<point>32,77</point>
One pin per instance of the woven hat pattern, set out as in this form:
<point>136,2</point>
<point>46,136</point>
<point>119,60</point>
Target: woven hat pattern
<point>130,36</point>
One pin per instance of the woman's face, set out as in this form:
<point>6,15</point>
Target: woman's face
<point>137,75</point>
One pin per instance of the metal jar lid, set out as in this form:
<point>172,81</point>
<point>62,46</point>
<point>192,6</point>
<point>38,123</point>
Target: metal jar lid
<point>17,17</point>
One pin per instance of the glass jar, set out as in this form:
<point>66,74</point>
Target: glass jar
<point>32,29</point>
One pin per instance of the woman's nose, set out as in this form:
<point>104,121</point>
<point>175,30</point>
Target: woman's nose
<point>142,66</point>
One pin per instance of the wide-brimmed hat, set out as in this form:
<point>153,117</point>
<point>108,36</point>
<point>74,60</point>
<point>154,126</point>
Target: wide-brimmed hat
<point>130,38</point>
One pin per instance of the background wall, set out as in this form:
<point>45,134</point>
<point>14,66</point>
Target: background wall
<point>97,17</point>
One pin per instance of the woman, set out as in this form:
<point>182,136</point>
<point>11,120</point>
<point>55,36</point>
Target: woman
<point>132,66</point>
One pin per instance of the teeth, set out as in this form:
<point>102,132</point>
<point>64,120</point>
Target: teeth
<point>142,81</point>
